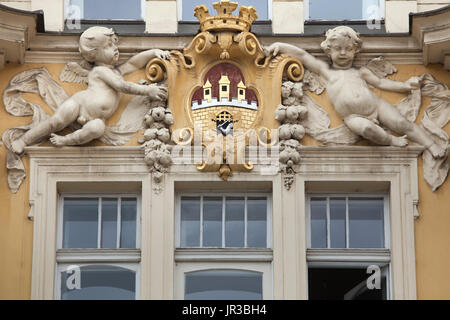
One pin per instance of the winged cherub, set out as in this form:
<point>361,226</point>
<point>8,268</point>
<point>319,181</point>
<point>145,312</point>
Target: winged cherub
<point>347,87</point>
<point>93,106</point>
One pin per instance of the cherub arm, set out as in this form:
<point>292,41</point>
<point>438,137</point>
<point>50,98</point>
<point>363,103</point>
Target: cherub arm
<point>387,84</point>
<point>118,83</point>
<point>313,64</point>
<point>139,60</point>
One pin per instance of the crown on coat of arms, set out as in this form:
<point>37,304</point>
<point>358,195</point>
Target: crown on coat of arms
<point>225,20</point>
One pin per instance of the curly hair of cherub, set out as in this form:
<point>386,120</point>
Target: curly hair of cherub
<point>92,39</point>
<point>341,31</point>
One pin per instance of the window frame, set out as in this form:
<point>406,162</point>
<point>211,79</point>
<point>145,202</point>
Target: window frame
<point>349,257</point>
<point>63,267</point>
<point>118,195</point>
<point>128,258</point>
<point>180,11</point>
<point>307,19</point>
<point>182,268</point>
<point>191,259</point>
<point>316,194</point>
<point>385,268</point>
<point>269,227</point>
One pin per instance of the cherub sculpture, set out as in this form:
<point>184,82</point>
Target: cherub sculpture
<point>93,106</point>
<point>348,89</point>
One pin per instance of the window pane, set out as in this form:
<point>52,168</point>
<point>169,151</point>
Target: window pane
<point>366,223</point>
<point>223,285</point>
<point>343,284</point>
<point>337,223</point>
<point>190,222</point>
<point>234,222</point>
<point>212,221</point>
<point>189,5</point>
<point>107,9</point>
<point>128,227</point>
<point>100,282</point>
<point>344,9</point>
<point>109,223</point>
<point>257,222</point>
<point>80,223</point>
<point>318,222</point>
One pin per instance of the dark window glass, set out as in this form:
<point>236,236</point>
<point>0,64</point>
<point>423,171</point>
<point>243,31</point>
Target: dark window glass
<point>212,221</point>
<point>128,218</point>
<point>344,284</point>
<point>257,222</point>
<point>100,282</point>
<point>318,222</point>
<point>235,222</point>
<point>190,222</point>
<point>80,223</point>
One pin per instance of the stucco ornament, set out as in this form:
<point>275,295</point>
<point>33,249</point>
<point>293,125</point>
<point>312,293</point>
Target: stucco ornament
<point>156,141</point>
<point>223,84</point>
<point>86,111</point>
<point>291,132</point>
<point>365,114</point>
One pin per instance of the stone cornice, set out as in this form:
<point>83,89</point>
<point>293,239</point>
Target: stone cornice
<point>432,32</point>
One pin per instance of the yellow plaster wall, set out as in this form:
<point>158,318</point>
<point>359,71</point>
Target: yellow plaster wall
<point>432,229</point>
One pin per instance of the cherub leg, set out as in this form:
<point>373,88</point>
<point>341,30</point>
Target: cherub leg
<point>93,129</point>
<point>392,119</point>
<point>63,116</point>
<point>372,132</point>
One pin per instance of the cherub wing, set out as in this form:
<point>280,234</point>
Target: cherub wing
<point>381,67</point>
<point>313,82</point>
<point>76,72</point>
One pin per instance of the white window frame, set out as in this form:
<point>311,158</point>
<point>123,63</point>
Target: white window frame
<point>191,259</point>
<point>99,196</point>
<point>142,18</point>
<point>224,195</point>
<point>306,11</point>
<point>63,267</point>
<point>331,260</point>
<point>265,268</point>
<point>180,10</point>
<point>127,258</point>
<point>346,195</point>
<point>349,257</point>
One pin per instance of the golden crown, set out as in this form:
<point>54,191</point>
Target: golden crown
<point>225,21</point>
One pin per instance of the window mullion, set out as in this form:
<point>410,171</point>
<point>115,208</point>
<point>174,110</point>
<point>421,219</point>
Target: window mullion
<point>223,222</point>
<point>99,232</point>
<point>328,223</point>
<point>119,221</point>
<point>347,230</point>
<point>245,221</point>
<point>201,221</point>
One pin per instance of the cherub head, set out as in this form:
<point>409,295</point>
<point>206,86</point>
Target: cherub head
<point>341,45</point>
<point>99,45</point>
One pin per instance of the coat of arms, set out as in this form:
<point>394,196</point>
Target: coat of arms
<point>224,85</point>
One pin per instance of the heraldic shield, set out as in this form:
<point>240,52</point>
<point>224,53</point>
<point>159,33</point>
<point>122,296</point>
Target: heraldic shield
<point>225,87</point>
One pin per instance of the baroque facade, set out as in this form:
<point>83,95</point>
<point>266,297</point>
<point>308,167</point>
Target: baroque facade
<point>254,152</point>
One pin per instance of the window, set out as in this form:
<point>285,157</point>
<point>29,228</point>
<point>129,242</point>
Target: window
<point>224,221</point>
<point>105,9</point>
<point>222,284</point>
<point>186,9</point>
<point>223,247</point>
<point>98,247</point>
<point>348,242</point>
<point>344,9</point>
